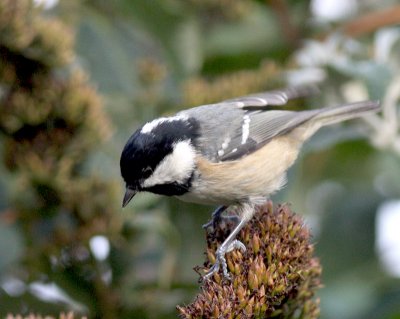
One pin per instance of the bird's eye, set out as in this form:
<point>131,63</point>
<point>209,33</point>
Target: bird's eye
<point>147,171</point>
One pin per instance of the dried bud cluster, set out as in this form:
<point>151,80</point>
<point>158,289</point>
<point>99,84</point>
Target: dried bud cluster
<point>51,118</point>
<point>37,39</point>
<point>275,278</point>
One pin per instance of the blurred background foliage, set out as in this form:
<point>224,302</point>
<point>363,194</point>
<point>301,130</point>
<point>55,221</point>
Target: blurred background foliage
<point>77,77</point>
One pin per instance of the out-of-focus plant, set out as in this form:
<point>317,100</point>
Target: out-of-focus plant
<point>51,119</point>
<point>151,58</point>
<point>197,91</point>
<point>69,315</point>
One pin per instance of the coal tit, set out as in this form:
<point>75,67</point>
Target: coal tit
<point>235,152</point>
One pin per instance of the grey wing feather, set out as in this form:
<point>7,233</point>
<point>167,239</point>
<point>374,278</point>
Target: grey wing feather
<point>272,98</point>
<point>263,126</point>
<point>223,124</point>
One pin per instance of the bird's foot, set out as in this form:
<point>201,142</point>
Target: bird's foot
<point>217,218</point>
<point>221,261</point>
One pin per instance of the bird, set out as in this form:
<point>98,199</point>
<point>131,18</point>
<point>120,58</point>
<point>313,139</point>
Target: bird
<point>234,153</point>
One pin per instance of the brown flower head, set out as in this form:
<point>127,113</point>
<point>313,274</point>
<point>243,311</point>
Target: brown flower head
<point>276,277</point>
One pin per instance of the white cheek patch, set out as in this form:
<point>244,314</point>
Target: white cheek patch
<point>175,167</point>
<point>148,127</point>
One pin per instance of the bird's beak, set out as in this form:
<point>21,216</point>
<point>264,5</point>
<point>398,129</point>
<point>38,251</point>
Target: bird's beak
<point>129,193</point>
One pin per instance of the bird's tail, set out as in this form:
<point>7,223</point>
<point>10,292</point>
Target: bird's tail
<point>331,115</point>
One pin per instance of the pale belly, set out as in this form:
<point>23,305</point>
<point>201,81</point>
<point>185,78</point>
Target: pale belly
<point>252,178</point>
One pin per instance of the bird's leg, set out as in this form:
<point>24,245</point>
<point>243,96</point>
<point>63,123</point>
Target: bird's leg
<point>228,245</point>
<point>216,217</point>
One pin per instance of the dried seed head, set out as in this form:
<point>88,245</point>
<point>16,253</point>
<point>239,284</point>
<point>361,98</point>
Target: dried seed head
<point>277,275</point>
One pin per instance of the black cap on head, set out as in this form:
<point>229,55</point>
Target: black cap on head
<point>146,148</point>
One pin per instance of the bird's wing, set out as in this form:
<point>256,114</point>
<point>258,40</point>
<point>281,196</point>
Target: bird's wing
<point>272,98</point>
<point>236,127</point>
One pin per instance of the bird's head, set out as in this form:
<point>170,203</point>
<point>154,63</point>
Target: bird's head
<point>160,157</point>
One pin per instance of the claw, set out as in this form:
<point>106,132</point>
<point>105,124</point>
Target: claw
<point>215,268</point>
<point>212,271</point>
<point>230,242</point>
<point>236,244</point>
<point>221,261</point>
